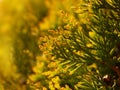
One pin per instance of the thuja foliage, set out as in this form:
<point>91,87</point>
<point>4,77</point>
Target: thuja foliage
<point>86,45</point>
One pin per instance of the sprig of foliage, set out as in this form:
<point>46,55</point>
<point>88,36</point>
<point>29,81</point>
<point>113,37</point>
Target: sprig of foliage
<point>80,44</point>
